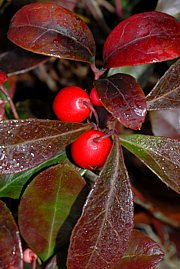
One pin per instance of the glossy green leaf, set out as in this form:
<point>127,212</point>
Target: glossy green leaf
<point>166,93</point>
<point>142,252</point>
<point>49,29</point>
<point>46,207</point>
<point>27,143</point>
<point>10,243</point>
<point>11,185</point>
<point>160,154</point>
<point>101,235</point>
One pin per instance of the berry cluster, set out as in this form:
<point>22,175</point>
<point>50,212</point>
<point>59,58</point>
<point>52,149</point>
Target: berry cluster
<point>73,104</point>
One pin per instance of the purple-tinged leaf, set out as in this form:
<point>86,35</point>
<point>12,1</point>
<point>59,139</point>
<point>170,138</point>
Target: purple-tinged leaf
<point>123,97</point>
<point>166,93</point>
<point>25,144</point>
<point>23,61</point>
<point>45,208</point>
<point>101,235</point>
<point>166,123</point>
<point>11,256</point>
<point>142,252</point>
<point>143,38</point>
<point>49,29</point>
<point>160,154</point>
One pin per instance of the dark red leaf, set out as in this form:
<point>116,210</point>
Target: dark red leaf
<point>142,252</point>
<point>10,243</point>
<point>25,144</point>
<point>23,61</point>
<point>143,38</point>
<point>165,94</point>
<point>45,208</point>
<point>123,97</point>
<point>101,235</point>
<point>49,29</point>
<point>166,123</point>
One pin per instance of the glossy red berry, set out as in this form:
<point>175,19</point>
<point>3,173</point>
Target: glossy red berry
<point>90,150</point>
<point>95,98</point>
<point>69,104</point>
<point>29,256</point>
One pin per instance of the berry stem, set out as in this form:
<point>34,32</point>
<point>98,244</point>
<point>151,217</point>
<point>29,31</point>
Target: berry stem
<point>97,72</point>
<point>89,105</point>
<point>98,139</point>
<point>13,108</point>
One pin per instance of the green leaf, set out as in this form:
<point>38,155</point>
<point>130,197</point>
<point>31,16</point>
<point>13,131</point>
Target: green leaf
<point>11,185</point>
<point>160,154</point>
<point>102,233</point>
<point>46,208</point>
<point>10,243</point>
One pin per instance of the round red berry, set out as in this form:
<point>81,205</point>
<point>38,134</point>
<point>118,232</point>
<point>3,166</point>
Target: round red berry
<point>29,256</point>
<point>90,150</point>
<point>95,98</point>
<point>70,104</point>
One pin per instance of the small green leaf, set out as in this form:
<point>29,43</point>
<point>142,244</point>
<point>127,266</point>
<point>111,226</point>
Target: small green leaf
<point>46,208</point>
<point>160,154</point>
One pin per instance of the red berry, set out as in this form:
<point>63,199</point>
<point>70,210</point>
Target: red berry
<point>95,98</point>
<point>29,256</point>
<point>90,150</point>
<point>69,104</point>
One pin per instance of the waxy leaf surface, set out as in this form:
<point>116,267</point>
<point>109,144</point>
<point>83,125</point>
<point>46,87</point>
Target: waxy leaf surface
<point>12,185</point>
<point>142,252</point>
<point>123,97</point>
<point>101,235</point>
<point>25,144</point>
<point>160,154</point>
<point>46,205</point>
<point>166,93</point>
<point>49,29</point>
<point>166,123</point>
<point>143,38</point>
<point>10,243</point>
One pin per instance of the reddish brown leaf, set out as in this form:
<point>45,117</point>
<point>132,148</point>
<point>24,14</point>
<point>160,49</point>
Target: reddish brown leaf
<point>143,38</point>
<point>49,29</point>
<point>45,211</point>
<point>25,144</point>
<point>166,93</point>
<point>142,252</point>
<point>101,235</point>
<point>166,123</point>
<point>2,109</point>
<point>123,97</point>
<point>10,242</point>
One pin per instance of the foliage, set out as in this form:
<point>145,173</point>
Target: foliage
<point>72,217</point>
